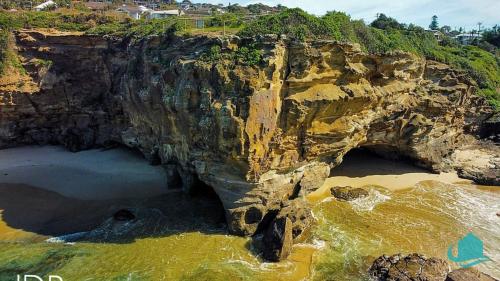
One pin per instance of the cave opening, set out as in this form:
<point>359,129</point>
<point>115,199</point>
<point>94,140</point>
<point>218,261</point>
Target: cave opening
<point>202,192</point>
<point>375,160</point>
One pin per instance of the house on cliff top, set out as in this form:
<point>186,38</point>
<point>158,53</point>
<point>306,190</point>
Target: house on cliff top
<point>45,5</point>
<point>134,12</point>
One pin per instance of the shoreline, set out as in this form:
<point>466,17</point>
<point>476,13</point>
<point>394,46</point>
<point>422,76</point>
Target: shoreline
<point>87,175</point>
<point>361,169</point>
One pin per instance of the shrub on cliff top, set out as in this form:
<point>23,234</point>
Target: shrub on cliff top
<point>248,55</point>
<point>64,21</point>
<point>8,57</point>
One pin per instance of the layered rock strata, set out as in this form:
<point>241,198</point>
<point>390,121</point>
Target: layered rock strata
<point>262,136</point>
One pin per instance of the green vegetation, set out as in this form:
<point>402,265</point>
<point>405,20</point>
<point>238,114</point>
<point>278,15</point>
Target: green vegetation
<point>492,36</point>
<point>482,66</point>
<point>136,29</point>
<point>64,21</point>
<point>4,46</point>
<point>434,23</point>
<point>90,23</point>
<point>384,34</point>
<point>245,55</point>
<point>8,57</point>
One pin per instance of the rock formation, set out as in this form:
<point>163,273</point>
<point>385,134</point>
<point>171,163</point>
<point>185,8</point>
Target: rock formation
<point>262,136</point>
<point>408,268</point>
<point>468,274</point>
<point>418,267</point>
<point>347,193</point>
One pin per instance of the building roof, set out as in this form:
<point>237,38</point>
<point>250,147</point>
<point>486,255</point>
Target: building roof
<point>45,4</point>
<point>165,12</point>
<point>133,9</point>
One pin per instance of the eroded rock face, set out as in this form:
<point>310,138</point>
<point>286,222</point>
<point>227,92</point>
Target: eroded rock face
<point>259,135</point>
<point>408,268</point>
<point>468,274</point>
<point>278,241</point>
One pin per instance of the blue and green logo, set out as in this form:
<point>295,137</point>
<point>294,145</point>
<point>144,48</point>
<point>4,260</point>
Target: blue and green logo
<point>469,251</point>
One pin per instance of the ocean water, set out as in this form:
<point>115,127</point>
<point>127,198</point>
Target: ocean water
<point>426,218</point>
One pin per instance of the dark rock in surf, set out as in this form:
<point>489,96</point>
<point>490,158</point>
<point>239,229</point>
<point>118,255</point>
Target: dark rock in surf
<point>278,240</point>
<point>124,215</point>
<point>408,268</point>
<point>468,274</point>
<point>347,193</point>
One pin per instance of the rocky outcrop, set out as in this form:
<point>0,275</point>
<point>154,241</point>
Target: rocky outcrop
<point>480,163</point>
<point>408,268</point>
<point>468,274</point>
<point>259,135</point>
<point>347,193</point>
<point>278,240</point>
<point>418,267</point>
<point>70,98</point>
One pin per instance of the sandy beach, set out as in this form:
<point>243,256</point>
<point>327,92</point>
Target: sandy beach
<point>50,191</point>
<point>86,175</point>
<point>361,169</point>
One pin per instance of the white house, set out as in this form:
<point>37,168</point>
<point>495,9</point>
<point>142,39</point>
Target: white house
<point>164,14</point>
<point>134,12</point>
<point>45,5</point>
<point>186,5</point>
<point>467,38</point>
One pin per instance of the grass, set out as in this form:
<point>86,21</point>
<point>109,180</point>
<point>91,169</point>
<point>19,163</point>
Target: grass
<point>8,57</point>
<point>64,20</point>
<point>296,24</point>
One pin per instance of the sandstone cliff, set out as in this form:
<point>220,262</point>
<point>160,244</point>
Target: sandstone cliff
<point>262,136</point>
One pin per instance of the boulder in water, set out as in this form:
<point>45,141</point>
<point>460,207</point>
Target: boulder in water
<point>468,274</point>
<point>278,239</point>
<point>124,215</point>
<point>347,193</point>
<point>408,268</point>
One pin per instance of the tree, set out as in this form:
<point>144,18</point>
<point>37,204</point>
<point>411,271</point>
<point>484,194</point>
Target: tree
<point>434,23</point>
<point>446,29</point>
<point>384,22</point>
<point>492,36</point>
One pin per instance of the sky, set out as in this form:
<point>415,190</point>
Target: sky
<point>455,13</point>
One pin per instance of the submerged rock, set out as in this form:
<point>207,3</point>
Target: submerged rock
<point>347,193</point>
<point>278,240</point>
<point>124,215</point>
<point>468,274</point>
<point>408,268</point>
<point>128,225</point>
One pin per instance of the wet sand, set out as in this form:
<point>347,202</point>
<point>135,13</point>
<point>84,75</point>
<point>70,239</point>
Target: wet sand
<point>361,169</point>
<point>48,191</point>
<point>86,175</point>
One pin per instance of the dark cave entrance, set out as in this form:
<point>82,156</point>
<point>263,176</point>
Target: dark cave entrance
<point>375,160</point>
<point>196,191</point>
